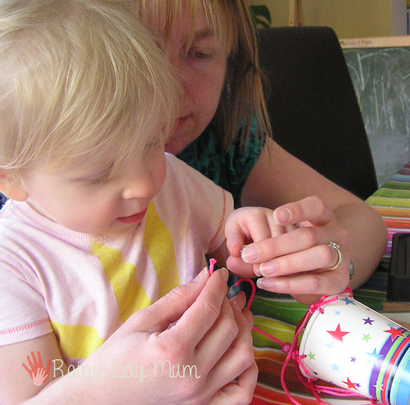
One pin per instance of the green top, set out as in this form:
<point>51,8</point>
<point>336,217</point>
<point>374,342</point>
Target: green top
<point>229,170</point>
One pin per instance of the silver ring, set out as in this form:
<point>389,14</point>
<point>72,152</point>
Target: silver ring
<point>339,254</point>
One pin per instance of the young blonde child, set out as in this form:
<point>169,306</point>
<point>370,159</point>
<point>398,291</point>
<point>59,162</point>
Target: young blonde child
<point>100,223</point>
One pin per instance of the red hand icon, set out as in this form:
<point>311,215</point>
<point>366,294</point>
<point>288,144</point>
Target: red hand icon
<point>37,372</point>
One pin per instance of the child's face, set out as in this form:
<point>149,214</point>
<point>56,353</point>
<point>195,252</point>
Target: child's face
<point>83,200</point>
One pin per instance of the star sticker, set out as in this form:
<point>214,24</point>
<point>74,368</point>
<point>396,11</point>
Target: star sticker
<point>368,321</point>
<point>348,301</point>
<point>378,386</point>
<point>329,345</point>
<point>335,367</point>
<point>350,384</point>
<point>394,332</point>
<point>337,313</point>
<point>311,356</point>
<point>366,337</point>
<point>337,334</point>
<point>353,359</point>
<point>374,357</point>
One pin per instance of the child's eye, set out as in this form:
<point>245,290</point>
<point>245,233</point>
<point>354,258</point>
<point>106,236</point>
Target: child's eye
<point>102,177</point>
<point>101,180</point>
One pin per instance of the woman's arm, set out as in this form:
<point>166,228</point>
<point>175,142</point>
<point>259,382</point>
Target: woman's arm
<point>336,216</point>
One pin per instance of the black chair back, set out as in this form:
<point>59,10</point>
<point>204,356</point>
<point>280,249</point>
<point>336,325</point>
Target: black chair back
<point>313,106</point>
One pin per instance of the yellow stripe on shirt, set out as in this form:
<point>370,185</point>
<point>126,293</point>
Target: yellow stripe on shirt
<point>160,247</point>
<point>77,341</point>
<point>129,293</point>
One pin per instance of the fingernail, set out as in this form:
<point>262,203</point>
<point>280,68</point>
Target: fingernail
<point>249,254</point>
<point>236,306</point>
<point>256,270</point>
<point>225,274</point>
<point>282,215</point>
<point>268,268</point>
<point>265,283</point>
<point>202,275</point>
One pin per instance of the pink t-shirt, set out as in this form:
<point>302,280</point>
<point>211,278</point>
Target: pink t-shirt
<point>83,287</point>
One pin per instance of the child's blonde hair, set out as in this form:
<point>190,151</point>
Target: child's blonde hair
<point>80,80</point>
<point>242,98</point>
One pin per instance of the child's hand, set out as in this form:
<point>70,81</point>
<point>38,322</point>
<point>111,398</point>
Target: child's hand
<point>244,226</point>
<point>192,362</point>
<point>289,248</point>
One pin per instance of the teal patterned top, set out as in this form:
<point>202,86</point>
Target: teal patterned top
<point>229,170</point>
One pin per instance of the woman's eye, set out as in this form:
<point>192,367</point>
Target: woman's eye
<point>201,55</point>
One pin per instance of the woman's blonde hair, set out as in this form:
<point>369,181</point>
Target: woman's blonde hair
<point>80,80</point>
<point>242,100</point>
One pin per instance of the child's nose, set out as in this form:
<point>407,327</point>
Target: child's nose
<point>140,184</point>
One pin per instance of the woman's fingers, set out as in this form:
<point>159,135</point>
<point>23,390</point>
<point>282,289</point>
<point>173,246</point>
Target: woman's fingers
<point>201,316</point>
<point>311,209</point>
<point>238,361</point>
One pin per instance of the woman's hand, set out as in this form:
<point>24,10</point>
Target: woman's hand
<point>194,361</point>
<point>187,348</point>
<point>289,248</point>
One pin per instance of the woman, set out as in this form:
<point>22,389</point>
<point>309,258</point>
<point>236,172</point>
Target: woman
<point>324,229</point>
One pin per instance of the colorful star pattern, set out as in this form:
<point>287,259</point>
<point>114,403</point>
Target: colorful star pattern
<point>348,301</point>
<point>374,357</point>
<point>366,337</point>
<point>394,332</point>
<point>337,334</point>
<point>358,361</point>
<point>350,384</point>
<point>379,387</point>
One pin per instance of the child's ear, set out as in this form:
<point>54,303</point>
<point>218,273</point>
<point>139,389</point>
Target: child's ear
<point>10,189</point>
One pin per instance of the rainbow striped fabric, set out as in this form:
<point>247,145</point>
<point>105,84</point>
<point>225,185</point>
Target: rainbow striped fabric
<point>279,315</point>
<point>392,201</point>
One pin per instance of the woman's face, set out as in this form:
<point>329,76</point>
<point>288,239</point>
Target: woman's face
<point>201,69</point>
